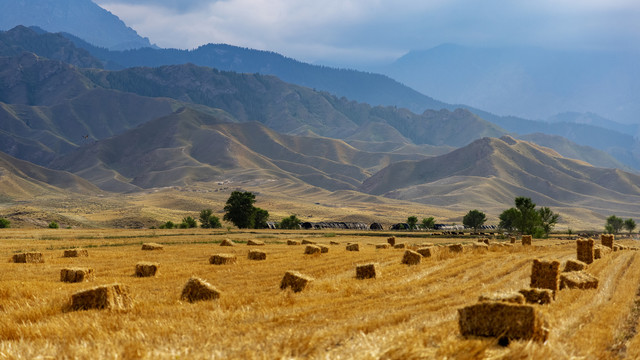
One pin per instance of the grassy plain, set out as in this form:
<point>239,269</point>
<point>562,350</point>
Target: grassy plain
<point>410,312</point>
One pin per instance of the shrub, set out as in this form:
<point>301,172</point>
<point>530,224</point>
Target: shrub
<point>53,225</point>
<point>4,223</point>
<point>188,222</point>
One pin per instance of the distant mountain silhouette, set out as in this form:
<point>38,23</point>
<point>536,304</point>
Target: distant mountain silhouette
<point>79,17</point>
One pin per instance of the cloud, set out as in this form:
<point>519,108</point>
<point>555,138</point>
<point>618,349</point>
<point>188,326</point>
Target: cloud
<point>378,30</point>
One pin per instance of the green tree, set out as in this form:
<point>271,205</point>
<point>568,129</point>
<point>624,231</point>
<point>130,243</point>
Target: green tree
<point>260,217</point>
<point>209,221</point>
<point>509,220</point>
<point>614,224</point>
<point>630,225</point>
<point>167,225</point>
<point>292,222</point>
<point>239,209</point>
<point>474,219</point>
<point>529,218</point>
<point>429,223</point>
<point>412,221</point>
<point>53,225</point>
<point>4,223</point>
<point>188,222</point>
<point>214,222</point>
<point>548,219</point>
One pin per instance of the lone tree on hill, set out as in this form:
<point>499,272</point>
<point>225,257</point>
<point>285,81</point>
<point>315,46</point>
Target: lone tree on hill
<point>474,219</point>
<point>412,221</point>
<point>241,212</point>
<point>630,225</point>
<point>614,224</point>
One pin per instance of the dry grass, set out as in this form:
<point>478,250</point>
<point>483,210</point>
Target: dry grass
<point>409,313</point>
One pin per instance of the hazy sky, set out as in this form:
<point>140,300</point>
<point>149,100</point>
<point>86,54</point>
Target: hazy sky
<point>371,31</point>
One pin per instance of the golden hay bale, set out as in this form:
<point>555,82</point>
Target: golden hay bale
<point>537,296</point>
<point>197,289</point>
<point>597,252</point>
<point>411,257</point>
<point>585,250</point>
<point>257,255</point>
<point>456,248</point>
<point>111,297</point>
<point>367,271</point>
<point>308,242</point>
<point>545,274</point>
<point>391,241</point>
<point>607,240</point>
<point>74,275</point>
<point>578,280</point>
<point>251,242</point>
<point>223,259</point>
<point>526,239</point>
<point>514,298</point>
<point>400,246</point>
<point>616,248</point>
<point>427,251</point>
<point>152,246</point>
<point>334,243</point>
<point>29,257</point>
<point>312,249</point>
<point>227,242</point>
<point>146,269</point>
<point>512,239</point>
<point>574,265</point>
<point>75,253</point>
<point>293,242</point>
<point>324,249</point>
<point>482,246</point>
<point>382,246</point>
<point>500,319</point>
<point>295,280</point>
<point>353,247</point>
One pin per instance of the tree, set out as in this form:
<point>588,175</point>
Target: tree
<point>528,218</point>
<point>53,225</point>
<point>188,222</point>
<point>209,221</point>
<point>614,224</point>
<point>4,223</point>
<point>214,222</point>
<point>260,217</point>
<point>240,210</point>
<point>509,220</point>
<point>292,222</point>
<point>412,221</point>
<point>429,223</point>
<point>167,225</point>
<point>630,225</point>
<point>548,219</point>
<point>474,219</point>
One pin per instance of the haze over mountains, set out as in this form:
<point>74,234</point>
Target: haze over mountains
<point>153,126</point>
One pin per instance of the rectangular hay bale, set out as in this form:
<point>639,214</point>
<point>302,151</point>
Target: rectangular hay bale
<point>197,289</point>
<point>75,253</point>
<point>252,242</point>
<point>456,248</point>
<point>545,274</point>
<point>308,242</point>
<point>324,249</point>
<point>295,280</point>
<point>584,249</point>
<point>426,251</point>
<point>227,242</point>
<point>526,240</point>
<point>411,257</point>
<point>578,280</point>
<point>500,319</point>
<point>74,275</point>
<point>537,296</point>
<point>293,242</point>
<point>152,246</point>
<point>400,246</point>
<point>108,297</point>
<point>513,298</point>
<point>391,241</point>
<point>146,269</point>
<point>353,247</point>
<point>28,257</point>
<point>312,249</point>
<point>223,259</point>
<point>257,255</point>
<point>574,265</point>
<point>367,271</point>
<point>607,240</point>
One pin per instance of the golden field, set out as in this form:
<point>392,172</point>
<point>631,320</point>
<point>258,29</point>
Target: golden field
<point>409,312</point>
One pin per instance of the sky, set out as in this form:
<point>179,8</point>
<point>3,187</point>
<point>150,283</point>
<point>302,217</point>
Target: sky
<point>374,32</point>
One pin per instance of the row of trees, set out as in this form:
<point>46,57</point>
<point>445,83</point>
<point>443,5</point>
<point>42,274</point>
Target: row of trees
<point>614,224</point>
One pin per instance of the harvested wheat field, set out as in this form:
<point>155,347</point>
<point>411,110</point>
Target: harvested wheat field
<point>411,312</point>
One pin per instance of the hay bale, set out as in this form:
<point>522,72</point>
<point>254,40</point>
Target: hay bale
<point>334,243</point>
<point>295,280</point>
<point>574,265</point>
<point>607,240</point>
<point>29,257</point>
<point>109,297</point>
<point>308,242</point>
<point>526,240</point>
<point>427,251</point>
<point>411,257</point>
<point>537,296</point>
<point>486,241</point>
<point>400,246</point>
<point>367,271</point>
<point>312,249</point>
<point>74,275</point>
<point>500,319</point>
<point>227,242</point>
<point>597,252</point>
<point>324,249</point>
<point>456,248</point>
<point>257,255</point>
<point>578,280</point>
<point>293,242</point>
<point>382,246</point>
<point>545,275</point>
<point>585,250</point>
<point>223,259</point>
<point>513,298</point>
<point>512,239</point>
<point>152,246</point>
<point>391,241</point>
<point>616,248</point>
<point>252,242</point>
<point>75,253</point>
<point>146,269</point>
<point>353,247</point>
<point>197,289</point>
